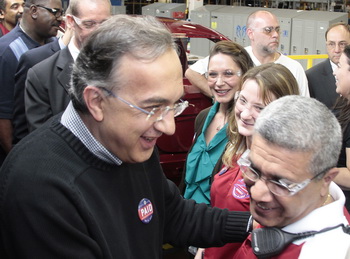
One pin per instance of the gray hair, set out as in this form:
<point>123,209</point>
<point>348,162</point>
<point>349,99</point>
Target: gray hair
<point>142,37</point>
<point>2,5</point>
<point>302,124</point>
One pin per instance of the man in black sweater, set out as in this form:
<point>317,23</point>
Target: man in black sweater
<point>88,184</point>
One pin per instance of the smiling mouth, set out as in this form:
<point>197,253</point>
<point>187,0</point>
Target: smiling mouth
<point>148,139</point>
<point>262,207</point>
<point>246,123</point>
<point>222,91</point>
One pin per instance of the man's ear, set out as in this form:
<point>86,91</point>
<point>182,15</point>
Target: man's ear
<point>331,174</point>
<point>328,178</point>
<point>93,98</point>
<point>249,33</point>
<point>69,21</point>
<point>34,11</point>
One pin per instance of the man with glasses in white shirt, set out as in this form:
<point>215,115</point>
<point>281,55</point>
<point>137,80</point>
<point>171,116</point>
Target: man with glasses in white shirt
<point>263,30</point>
<point>320,77</point>
<point>288,172</point>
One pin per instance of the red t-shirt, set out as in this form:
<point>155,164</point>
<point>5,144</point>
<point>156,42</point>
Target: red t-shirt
<point>229,191</point>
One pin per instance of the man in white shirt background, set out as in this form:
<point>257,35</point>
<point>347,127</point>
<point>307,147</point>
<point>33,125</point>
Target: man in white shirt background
<point>263,31</point>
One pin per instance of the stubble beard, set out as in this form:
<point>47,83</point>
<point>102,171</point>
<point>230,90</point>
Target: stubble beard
<point>270,50</point>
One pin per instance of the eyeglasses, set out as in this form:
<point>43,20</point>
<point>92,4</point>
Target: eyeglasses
<point>86,24</point>
<point>281,187</point>
<point>227,74</point>
<point>332,44</point>
<point>270,29</point>
<point>156,114</point>
<point>56,12</point>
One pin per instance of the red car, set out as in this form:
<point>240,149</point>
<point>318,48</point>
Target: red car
<point>173,149</point>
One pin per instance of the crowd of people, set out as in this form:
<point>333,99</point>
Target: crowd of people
<point>80,116</point>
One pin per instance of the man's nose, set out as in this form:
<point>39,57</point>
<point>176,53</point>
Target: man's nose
<point>167,124</point>
<point>260,192</point>
<point>337,48</point>
<point>20,9</point>
<point>275,34</point>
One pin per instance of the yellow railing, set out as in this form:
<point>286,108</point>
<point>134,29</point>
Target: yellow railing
<point>310,58</point>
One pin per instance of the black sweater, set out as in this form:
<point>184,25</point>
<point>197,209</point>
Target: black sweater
<point>58,200</point>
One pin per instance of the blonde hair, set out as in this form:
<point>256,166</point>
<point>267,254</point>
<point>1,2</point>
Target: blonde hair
<point>274,80</point>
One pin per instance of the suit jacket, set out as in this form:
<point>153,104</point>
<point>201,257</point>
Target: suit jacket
<point>46,92</point>
<point>27,60</point>
<point>322,83</point>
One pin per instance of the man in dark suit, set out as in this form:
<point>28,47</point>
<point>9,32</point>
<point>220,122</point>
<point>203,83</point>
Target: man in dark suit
<point>320,77</point>
<point>46,94</point>
<point>46,91</point>
<point>28,60</point>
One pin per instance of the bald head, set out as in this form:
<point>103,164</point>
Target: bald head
<point>258,17</point>
<point>77,6</point>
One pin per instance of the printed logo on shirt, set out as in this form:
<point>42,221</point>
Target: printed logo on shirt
<point>240,190</point>
<point>145,210</point>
